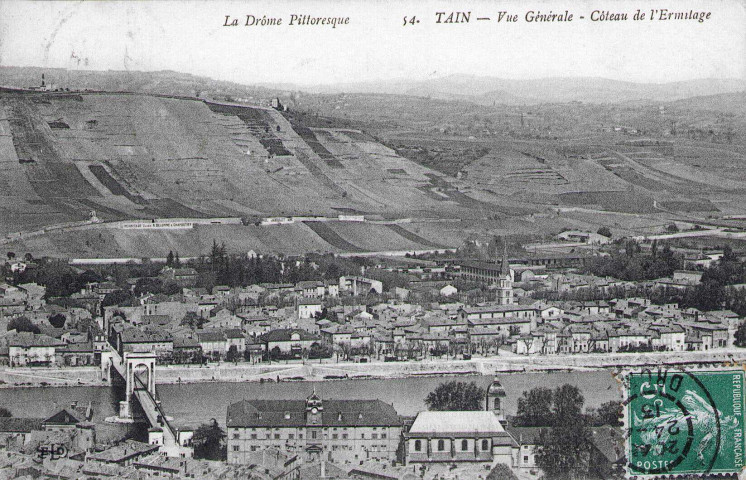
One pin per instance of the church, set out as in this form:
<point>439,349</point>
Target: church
<point>463,436</point>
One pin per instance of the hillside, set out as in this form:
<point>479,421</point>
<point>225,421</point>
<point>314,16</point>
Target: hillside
<point>489,90</point>
<point>130,156</point>
<point>732,103</point>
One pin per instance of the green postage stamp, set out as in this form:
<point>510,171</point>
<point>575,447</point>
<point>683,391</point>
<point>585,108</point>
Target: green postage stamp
<point>684,422</point>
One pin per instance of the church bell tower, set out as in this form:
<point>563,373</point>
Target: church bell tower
<point>495,398</point>
<point>505,279</point>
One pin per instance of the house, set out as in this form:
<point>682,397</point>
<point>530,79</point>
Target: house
<point>213,342</point>
<point>26,349</point>
<point>527,439</point>
<point>360,285</point>
<point>187,350</point>
<point>78,354</point>
<point>583,237</point>
<point>137,340</point>
<point>289,340</point>
<point>690,277</point>
<point>311,289</point>
<point>336,430</point>
<point>308,307</point>
<point>184,277</point>
<point>235,338</point>
<point>448,290</point>
<point>15,432</point>
<point>457,437</point>
<point>123,454</point>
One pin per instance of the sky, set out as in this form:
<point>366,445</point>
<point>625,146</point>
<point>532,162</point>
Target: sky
<point>190,37</point>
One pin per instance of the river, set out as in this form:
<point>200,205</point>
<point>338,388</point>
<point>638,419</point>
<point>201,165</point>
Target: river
<point>196,403</point>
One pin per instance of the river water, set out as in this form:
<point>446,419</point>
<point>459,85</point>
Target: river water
<point>193,404</point>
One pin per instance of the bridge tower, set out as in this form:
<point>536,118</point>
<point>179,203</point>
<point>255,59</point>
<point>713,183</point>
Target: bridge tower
<point>139,373</point>
<point>137,370</point>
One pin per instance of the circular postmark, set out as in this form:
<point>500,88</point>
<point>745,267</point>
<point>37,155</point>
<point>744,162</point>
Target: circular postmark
<point>673,423</point>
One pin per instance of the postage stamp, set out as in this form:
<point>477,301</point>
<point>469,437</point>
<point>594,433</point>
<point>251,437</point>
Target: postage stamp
<point>681,422</point>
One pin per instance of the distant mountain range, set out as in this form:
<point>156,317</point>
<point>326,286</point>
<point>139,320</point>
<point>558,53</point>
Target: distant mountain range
<point>488,90</point>
<point>471,88</point>
<point>164,81</point>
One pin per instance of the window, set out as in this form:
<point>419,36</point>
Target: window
<point>235,448</point>
<point>362,435</point>
<point>417,445</point>
<point>374,436</point>
<point>253,436</point>
<point>277,436</point>
<point>464,445</point>
<point>344,436</point>
<point>383,435</point>
<point>291,436</point>
<point>313,434</point>
<point>236,436</point>
<point>254,448</point>
<point>485,444</point>
<point>441,445</point>
<point>334,436</point>
<point>525,459</point>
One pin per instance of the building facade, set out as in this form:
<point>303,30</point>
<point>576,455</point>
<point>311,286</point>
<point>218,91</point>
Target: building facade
<point>340,431</point>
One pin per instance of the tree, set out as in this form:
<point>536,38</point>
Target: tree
<point>673,228</point>
<point>192,320</point>
<point>22,324</point>
<point>117,297</point>
<point>456,395</point>
<point>232,355</point>
<point>501,472</point>
<point>208,441</point>
<point>4,412</point>
<point>170,259</point>
<point>564,449</point>
<point>609,413</point>
<point>57,320</point>
<point>535,408</point>
<point>740,336</point>
<point>568,404</point>
<point>605,231</point>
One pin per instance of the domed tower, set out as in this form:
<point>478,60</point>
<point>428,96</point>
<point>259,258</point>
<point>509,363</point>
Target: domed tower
<point>505,279</point>
<point>494,401</point>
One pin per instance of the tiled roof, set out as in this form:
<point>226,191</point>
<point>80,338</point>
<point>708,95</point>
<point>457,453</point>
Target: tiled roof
<point>10,424</point>
<point>289,413</point>
<point>211,335</point>
<point>134,335</point>
<point>452,422</point>
<point>28,340</point>
<point>285,335</point>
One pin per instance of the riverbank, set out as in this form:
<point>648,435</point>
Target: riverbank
<point>329,370</point>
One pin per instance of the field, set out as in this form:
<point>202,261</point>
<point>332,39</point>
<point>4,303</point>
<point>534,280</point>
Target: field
<point>452,169</point>
<point>140,156</point>
<point>292,239</point>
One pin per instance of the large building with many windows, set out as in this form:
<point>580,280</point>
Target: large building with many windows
<point>340,431</point>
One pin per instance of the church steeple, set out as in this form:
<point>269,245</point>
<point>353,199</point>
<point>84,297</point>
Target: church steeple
<point>505,279</point>
<point>504,267</point>
<point>494,400</point>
